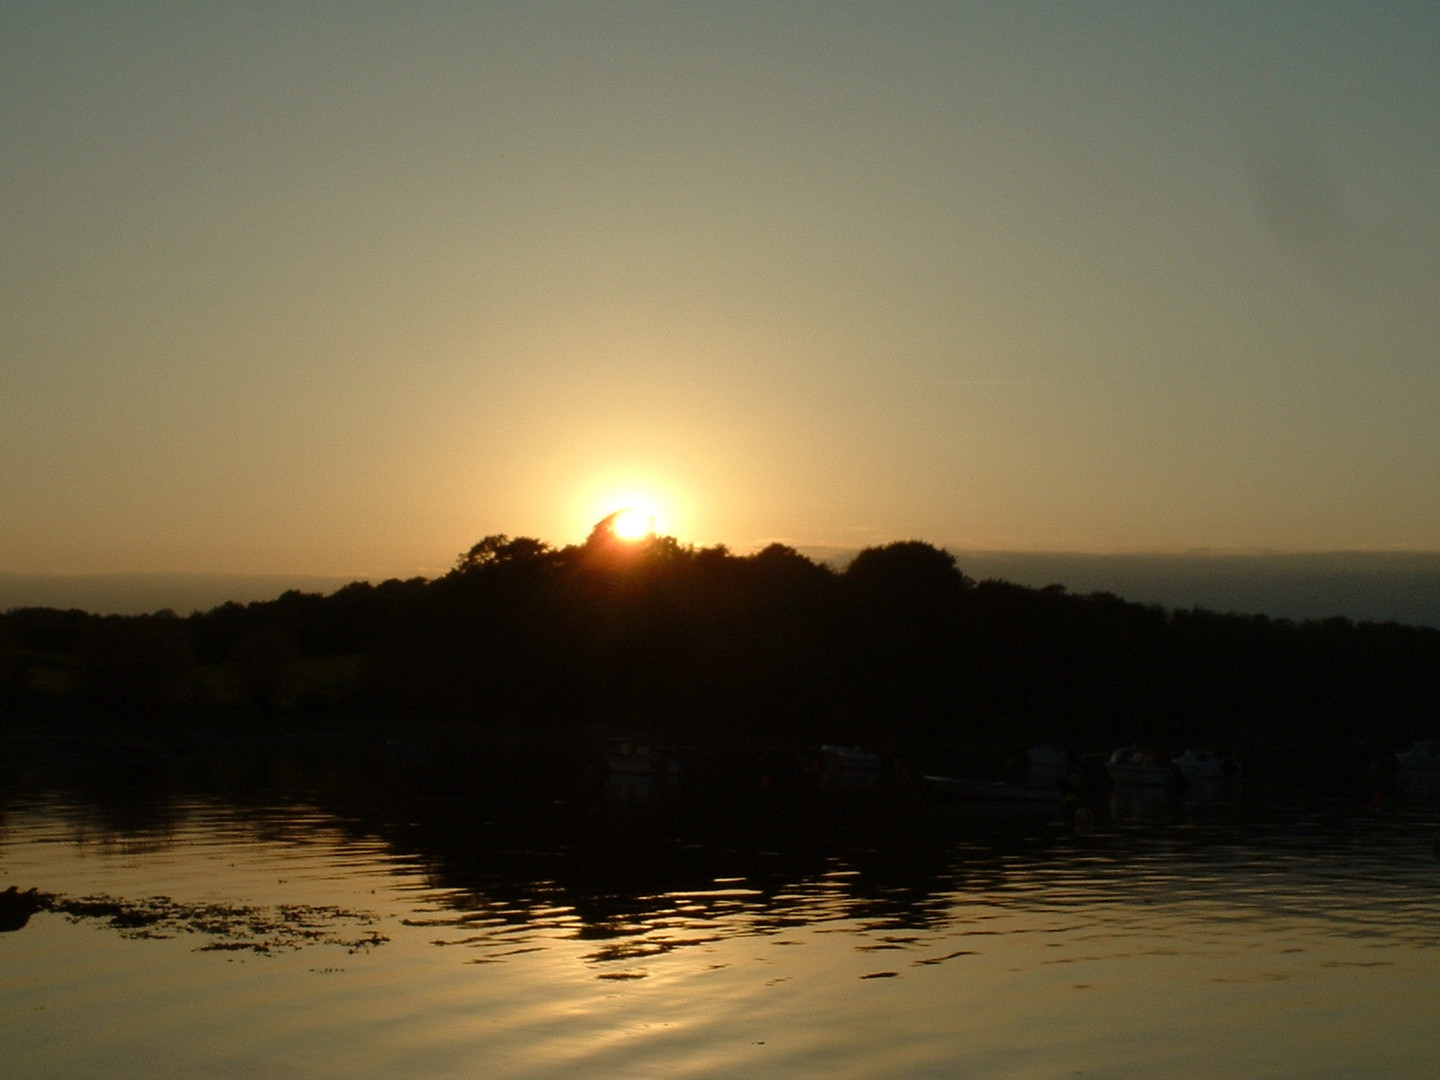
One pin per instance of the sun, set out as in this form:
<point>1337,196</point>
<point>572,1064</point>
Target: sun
<point>632,523</point>
<point>628,510</point>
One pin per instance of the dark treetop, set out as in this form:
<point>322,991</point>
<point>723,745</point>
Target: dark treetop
<point>657,634</point>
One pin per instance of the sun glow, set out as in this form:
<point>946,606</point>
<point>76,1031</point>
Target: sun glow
<point>633,507</point>
<point>633,523</point>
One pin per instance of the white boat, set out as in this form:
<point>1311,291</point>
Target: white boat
<point>1138,767</point>
<point>1196,764</point>
<point>994,791</point>
<point>1423,755</point>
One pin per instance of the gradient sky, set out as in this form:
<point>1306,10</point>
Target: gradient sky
<point>341,288</point>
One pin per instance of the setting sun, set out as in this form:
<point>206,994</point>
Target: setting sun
<point>633,524</point>
<point>632,505</point>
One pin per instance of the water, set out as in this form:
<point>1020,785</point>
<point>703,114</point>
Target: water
<point>199,928</point>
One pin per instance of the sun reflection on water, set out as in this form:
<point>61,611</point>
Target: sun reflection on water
<point>1152,949</point>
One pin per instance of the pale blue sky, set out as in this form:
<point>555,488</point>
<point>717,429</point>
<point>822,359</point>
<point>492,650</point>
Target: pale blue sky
<point>340,288</point>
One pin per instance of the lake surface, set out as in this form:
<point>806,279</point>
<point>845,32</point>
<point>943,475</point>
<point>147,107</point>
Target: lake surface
<point>265,915</point>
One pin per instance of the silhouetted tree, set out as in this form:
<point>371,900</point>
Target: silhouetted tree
<point>404,675</point>
<point>907,570</point>
<point>499,548</point>
<point>10,666</point>
<point>262,665</point>
<point>905,630</point>
<point>49,629</point>
<point>900,643</point>
<point>135,664</point>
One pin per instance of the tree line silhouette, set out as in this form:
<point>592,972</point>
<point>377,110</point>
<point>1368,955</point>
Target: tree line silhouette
<point>653,633</point>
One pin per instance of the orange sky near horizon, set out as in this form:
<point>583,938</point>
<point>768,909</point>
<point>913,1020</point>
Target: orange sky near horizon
<point>340,290</point>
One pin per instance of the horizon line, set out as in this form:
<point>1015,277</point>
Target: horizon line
<point>830,549</point>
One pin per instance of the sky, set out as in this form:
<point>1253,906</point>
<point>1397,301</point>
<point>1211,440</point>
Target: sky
<point>338,289</point>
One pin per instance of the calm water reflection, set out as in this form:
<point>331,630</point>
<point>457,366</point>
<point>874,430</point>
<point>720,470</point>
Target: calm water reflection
<point>282,912</point>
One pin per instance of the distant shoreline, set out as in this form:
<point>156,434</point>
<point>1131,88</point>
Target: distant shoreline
<point>1364,586</point>
<point>143,593</point>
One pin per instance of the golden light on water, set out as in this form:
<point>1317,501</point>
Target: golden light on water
<point>690,973</point>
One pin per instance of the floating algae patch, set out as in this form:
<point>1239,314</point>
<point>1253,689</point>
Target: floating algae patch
<point>229,927</point>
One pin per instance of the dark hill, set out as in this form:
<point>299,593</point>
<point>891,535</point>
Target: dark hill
<point>900,643</point>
